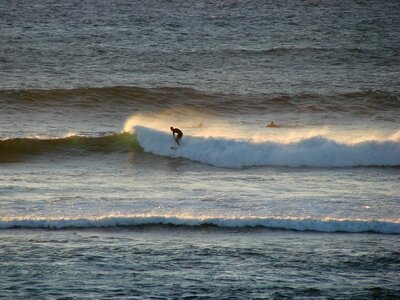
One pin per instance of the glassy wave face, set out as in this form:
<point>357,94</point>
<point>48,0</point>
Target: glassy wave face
<point>16,149</point>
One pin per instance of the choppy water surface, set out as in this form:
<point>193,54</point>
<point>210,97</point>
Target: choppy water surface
<point>238,46</point>
<point>97,200</point>
<point>182,262</point>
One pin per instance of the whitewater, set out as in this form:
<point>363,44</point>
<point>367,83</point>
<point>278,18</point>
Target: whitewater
<point>316,151</point>
<point>298,224</point>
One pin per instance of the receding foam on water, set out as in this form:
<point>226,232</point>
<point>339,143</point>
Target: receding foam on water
<point>315,151</point>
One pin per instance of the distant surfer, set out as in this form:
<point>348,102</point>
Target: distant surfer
<point>272,125</point>
<point>178,133</point>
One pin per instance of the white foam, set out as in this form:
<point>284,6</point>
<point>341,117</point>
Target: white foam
<point>300,224</point>
<point>236,153</point>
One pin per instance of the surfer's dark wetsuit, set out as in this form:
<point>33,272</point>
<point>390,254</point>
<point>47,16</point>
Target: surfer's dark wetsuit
<point>178,133</point>
<point>272,125</point>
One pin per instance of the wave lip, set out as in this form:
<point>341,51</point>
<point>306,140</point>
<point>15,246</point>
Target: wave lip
<point>310,152</point>
<point>298,224</point>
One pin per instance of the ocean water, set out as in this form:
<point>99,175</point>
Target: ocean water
<point>97,201</point>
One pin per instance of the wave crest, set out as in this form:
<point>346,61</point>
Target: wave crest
<point>299,224</point>
<point>310,152</point>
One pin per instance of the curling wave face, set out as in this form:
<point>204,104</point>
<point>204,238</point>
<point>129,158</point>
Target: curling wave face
<point>236,153</point>
<point>16,149</point>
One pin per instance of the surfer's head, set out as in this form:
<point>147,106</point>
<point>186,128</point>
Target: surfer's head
<point>172,128</point>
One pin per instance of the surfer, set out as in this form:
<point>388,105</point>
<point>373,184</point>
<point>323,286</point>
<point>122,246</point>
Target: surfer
<point>178,133</point>
<point>272,125</point>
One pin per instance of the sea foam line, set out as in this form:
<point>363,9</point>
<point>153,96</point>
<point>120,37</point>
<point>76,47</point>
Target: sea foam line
<point>230,153</point>
<point>298,224</point>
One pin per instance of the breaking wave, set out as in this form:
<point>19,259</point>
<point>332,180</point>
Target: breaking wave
<point>234,153</point>
<point>316,151</point>
<point>299,224</point>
